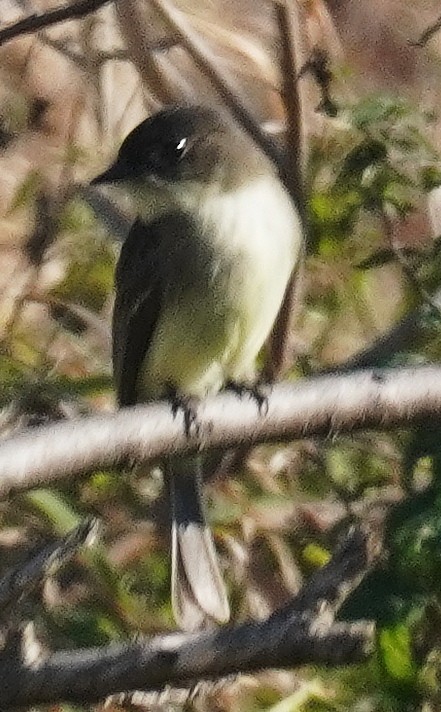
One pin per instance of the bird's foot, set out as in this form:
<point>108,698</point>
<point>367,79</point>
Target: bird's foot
<point>188,406</point>
<point>256,392</point>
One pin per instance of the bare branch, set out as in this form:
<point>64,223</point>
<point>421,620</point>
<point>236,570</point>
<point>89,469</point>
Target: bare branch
<point>92,674</point>
<point>38,21</point>
<point>427,34</point>
<point>293,168</point>
<point>288,19</point>
<point>321,406</point>
<point>25,577</point>
<point>410,331</point>
<point>332,584</point>
<point>303,632</point>
<point>106,211</point>
<point>276,363</point>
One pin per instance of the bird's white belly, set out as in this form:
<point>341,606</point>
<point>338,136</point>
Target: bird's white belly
<point>214,331</point>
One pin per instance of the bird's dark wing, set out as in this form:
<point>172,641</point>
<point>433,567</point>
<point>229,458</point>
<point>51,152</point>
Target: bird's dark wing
<point>147,269</point>
<point>137,306</point>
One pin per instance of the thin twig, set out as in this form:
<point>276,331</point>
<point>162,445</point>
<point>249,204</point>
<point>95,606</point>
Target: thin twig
<point>332,584</point>
<point>101,57</point>
<point>106,211</point>
<point>288,20</point>
<point>404,336</point>
<point>293,174</point>
<point>427,34</point>
<point>37,21</point>
<point>22,579</point>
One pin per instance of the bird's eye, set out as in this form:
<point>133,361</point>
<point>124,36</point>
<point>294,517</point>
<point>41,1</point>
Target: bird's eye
<point>172,152</point>
<point>181,147</point>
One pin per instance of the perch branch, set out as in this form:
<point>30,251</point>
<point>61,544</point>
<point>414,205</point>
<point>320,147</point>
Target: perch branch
<point>323,406</point>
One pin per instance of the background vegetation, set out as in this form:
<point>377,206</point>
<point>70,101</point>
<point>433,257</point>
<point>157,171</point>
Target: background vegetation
<point>68,95</point>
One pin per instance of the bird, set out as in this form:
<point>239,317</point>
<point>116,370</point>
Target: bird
<point>199,283</point>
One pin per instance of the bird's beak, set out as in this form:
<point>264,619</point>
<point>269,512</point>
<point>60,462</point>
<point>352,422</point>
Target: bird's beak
<point>117,171</point>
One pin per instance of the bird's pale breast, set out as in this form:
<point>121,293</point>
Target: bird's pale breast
<point>212,329</point>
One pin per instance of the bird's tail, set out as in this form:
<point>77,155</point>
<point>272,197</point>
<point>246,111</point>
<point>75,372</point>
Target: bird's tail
<point>198,589</point>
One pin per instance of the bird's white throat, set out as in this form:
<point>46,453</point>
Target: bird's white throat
<point>258,216</point>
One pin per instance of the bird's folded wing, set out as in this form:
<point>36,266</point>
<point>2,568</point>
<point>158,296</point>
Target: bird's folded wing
<point>141,286</point>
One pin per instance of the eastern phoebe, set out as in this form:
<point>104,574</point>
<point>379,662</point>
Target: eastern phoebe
<point>199,283</point>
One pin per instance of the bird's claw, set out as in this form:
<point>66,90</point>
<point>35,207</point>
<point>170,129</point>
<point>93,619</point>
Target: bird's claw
<point>188,406</point>
<point>256,392</point>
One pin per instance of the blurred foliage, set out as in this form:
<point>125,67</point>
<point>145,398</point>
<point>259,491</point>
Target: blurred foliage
<point>369,172</point>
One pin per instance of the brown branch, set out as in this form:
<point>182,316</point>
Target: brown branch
<point>322,406</point>
<point>38,21</point>
<point>332,584</point>
<point>278,344</point>
<point>25,577</point>
<point>293,174</point>
<point>93,674</point>
<point>106,211</point>
<point>303,632</point>
<point>427,34</point>
<point>404,336</point>
<point>288,20</point>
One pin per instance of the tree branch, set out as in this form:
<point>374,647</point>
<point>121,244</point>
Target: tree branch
<point>38,21</point>
<point>406,335</point>
<point>427,34</point>
<point>303,632</point>
<point>288,17</point>
<point>25,577</point>
<point>321,406</point>
<point>289,21</point>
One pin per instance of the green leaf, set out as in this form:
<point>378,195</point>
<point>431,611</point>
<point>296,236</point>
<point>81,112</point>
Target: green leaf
<point>26,191</point>
<point>367,153</point>
<point>55,508</point>
<point>309,691</point>
<point>316,555</point>
<point>89,280</point>
<point>76,216</point>
<point>395,645</point>
<point>378,109</point>
<point>430,177</point>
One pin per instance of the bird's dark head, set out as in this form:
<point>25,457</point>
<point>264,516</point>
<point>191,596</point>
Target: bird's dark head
<point>180,144</point>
